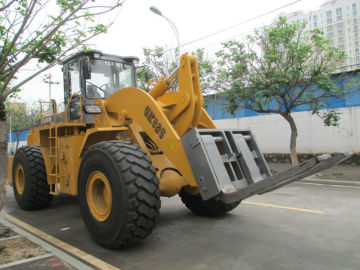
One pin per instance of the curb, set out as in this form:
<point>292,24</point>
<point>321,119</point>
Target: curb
<point>52,249</point>
<point>330,182</point>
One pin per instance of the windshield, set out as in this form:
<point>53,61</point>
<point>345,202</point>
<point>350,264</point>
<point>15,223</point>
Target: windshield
<point>107,77</point>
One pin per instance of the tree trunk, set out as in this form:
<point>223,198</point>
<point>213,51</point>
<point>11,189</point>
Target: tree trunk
<point>3,153</point>
<point>294,134</point>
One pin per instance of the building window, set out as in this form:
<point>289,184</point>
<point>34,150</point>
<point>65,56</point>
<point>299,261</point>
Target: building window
<point>357,58</point>
<point>339,14</point>
<point>330,35</point>
<point>341,32</point>
<point>356,35</point>
<point>315,24</point>
<point>354,6</point>
<point>328,16</point>
<point>355,20</point>
<point>341,39</point>
<point>355,28</point>
<point>329,28</point>
<point>340,25</point>
<point>341,47</point>
<point>357,51</point>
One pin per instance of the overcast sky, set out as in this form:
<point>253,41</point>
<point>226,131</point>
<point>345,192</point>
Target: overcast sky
<point>137,27</point>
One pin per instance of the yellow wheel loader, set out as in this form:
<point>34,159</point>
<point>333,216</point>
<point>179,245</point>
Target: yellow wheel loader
<point>120,148</point>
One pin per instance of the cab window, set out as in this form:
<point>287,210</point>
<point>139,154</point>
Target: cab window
<point>107,77</point>
<point>74,74</point>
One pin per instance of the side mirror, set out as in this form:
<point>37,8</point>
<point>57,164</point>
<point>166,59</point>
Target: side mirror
<point>86,70</point>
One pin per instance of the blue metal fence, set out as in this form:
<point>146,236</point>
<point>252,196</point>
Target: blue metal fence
<point>23,136</point>
<point>216,105</point>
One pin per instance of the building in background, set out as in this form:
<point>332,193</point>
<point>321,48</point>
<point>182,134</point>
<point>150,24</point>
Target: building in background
<point>339,20</point>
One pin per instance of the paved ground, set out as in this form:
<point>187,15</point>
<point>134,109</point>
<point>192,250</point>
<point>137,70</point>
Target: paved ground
<point>301,226</point>
<point>339,172</point>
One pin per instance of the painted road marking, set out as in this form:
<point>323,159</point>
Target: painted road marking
<point>78,253</point>
<point>285,207</point>
<point>7,265</point>
<point>11,237</point>
<point>331,185</point>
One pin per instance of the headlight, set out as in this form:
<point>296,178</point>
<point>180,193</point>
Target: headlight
<point>92,109</point>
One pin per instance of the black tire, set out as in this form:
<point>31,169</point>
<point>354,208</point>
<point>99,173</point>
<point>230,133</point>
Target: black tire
<point>209,208</point>
<point>34,194</point>
<point>135,193</point>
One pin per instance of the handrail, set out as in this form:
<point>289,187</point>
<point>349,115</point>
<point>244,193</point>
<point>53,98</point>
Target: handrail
<point>42,116</point>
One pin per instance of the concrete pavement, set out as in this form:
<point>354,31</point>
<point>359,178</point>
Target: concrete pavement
<point>300,226</point>
<point>339,174</point>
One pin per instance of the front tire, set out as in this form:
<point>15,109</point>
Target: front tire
<point>29,179</point>
<point>209,208</point>
<point>119,193</point>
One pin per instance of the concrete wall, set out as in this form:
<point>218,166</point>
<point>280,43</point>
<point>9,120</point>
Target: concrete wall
<point>12,146</point>
<point>273,132</point>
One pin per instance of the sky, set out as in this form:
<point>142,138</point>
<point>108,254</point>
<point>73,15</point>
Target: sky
<point>137,27</point>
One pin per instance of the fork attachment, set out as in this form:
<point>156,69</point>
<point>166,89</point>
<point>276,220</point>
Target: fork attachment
<point>228,164</point>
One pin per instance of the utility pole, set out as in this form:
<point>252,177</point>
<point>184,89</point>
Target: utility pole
<point>47,79</point>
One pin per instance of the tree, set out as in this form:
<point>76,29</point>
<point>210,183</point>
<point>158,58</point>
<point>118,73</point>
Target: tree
<point>279,69</point>
<point>160,62</point>
<point>41,31</point>
<point>21,116</point>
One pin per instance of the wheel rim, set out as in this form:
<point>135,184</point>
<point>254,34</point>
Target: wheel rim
<point>98,194</point>
<point>19,179</point>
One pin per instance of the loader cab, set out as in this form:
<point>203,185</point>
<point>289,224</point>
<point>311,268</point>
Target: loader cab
<point>92,75</point>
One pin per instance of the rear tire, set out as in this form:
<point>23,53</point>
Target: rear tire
<point>118,193</point>
<point>209,208</point>
<point>29,179</point>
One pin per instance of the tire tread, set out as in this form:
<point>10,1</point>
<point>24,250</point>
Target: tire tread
<point>39,196</point>
<point>209,208</point>
<point>142,189</point>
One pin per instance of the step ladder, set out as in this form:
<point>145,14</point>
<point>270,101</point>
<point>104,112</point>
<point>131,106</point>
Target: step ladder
<point>53,175</point>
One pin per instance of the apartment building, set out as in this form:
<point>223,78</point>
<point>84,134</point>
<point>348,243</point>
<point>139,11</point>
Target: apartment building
<point>340,22</point>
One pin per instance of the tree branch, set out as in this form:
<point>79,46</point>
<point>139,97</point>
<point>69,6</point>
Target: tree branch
<point>7,5</point>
